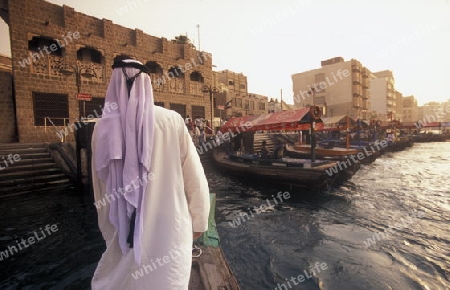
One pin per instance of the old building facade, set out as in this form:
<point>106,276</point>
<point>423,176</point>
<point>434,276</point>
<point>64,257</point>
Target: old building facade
<point>58,52</point>
<point>339,87</point>
<point>233,98</point>
<point>7,112</point>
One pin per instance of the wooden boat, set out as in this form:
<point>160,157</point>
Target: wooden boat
<point>287,171</point>
<point>371,153</point>
<point>210,271</point>
<point>321,152</point>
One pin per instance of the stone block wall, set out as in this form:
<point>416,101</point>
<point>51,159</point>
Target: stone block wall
<point>28,18</point>
<point>7,116</point>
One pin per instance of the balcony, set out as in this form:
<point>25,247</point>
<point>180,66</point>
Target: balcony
<point>356,68</point>
<point>357,90</point>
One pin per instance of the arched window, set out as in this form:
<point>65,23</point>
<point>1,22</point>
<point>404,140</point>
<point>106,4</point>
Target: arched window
<point>154,67</point>
<point>196,77</point>
<point>89,54</point>
<point>175,72</point>
<point>45,44</point>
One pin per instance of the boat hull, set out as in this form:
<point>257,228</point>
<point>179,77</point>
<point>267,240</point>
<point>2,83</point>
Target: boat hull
<point>283,172</point>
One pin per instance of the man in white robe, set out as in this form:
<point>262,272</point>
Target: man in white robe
<point>167,190</point>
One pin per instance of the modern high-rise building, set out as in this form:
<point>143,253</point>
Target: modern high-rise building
<point>383,94</point>
<point>399,105</point>
<point>339,87</point>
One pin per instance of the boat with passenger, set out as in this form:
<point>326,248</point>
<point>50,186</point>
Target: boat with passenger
<point>242,160</point>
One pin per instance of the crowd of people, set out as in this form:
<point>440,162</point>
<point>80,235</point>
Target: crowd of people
<point>198,128</point>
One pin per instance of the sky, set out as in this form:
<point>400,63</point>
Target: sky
<point>269,40</point>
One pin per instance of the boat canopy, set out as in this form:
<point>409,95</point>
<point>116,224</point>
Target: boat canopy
<point>298,119</point>
<point>429,124</point>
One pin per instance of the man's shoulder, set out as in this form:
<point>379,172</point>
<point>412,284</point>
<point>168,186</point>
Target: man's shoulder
<point>163,114</point>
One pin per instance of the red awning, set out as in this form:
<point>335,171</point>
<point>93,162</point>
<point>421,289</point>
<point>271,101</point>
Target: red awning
<point>429,124</point>
<point>287,120</point>
<point>408,125</point>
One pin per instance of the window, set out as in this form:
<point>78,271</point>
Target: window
<point>154,67</point>
<point>252,105</point>
<point>198,111</point>
<point>196,77</point>
<point>262,106</point>
<point>40,43</point>
<point>89,54</point>
<point>242,86</point>
<point>175,72</point>
<point>95,107</point>
<point>238,103</point>
<point>53,106</point>
<point>179,108</point>
<point>230,83</point>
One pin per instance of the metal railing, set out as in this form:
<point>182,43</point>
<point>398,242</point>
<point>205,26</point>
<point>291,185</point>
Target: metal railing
<point>63,136</point>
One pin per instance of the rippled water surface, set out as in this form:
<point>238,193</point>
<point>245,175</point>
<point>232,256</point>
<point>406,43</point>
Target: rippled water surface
<point>388,228</point>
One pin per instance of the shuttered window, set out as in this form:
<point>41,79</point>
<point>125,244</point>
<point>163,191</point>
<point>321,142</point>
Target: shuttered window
<point>95,107</point>
<point>53,106</point>
<point>179,108</point>
<point>198,111</point>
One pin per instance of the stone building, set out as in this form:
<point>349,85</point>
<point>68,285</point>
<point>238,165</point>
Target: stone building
<point>58,52</point>
<point>233,93</point>
<point>7,112</point>
<point>278,106</point>
<point>434,112</point>
<point>339,87</point>
<point>410,109</point>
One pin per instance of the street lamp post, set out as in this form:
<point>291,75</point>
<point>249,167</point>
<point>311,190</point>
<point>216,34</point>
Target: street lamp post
<point>210,90</point>
<point>69,70</point>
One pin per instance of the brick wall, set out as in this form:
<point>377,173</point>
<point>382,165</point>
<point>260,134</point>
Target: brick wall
<point>28,18</point>
<point>7,118</point>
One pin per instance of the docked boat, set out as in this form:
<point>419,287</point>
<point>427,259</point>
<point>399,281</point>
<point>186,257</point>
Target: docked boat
<point>296,172</point>
<point>287,171</point>
<point>210,269</point>
<point>304,151</point>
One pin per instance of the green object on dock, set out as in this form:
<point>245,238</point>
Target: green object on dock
<point>211,237</point>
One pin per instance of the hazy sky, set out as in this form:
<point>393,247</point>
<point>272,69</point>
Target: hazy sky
<point>270,40</point>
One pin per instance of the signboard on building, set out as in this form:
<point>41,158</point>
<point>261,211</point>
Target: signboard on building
<point>220,107</point>
<point>84,97</point>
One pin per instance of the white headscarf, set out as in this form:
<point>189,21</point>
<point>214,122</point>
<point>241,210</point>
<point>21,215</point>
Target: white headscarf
<point>124,149</point>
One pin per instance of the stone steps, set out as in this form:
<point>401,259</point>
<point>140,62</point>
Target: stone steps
<point>32,170</point>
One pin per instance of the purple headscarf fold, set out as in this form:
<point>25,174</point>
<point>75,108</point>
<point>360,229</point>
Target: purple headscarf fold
<point>124,149</point>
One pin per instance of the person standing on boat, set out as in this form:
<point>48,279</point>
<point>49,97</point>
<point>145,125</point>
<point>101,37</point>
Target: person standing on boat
<point>264,151</point>
<point>278,151</point>
<point>150,188</point>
